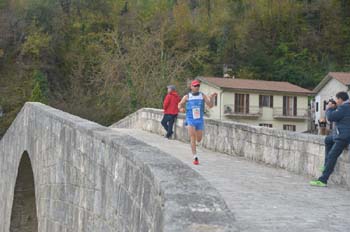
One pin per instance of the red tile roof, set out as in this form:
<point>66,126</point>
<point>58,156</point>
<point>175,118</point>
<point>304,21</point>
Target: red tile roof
<point>342,77</point>
<point>259,85</point>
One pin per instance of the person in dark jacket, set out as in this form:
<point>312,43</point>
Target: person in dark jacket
<point>170,103</point>
<point>338,141</point>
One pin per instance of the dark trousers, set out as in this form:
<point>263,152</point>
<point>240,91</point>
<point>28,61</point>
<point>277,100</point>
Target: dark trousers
<point>168,122</point>
<point>334,148</point>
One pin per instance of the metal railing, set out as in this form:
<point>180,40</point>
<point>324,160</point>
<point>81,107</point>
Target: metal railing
<point>299,113</point>
<point>251,111</point>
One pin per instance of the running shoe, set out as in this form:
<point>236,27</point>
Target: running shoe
<point>195,161</point>
<point>318,183</point>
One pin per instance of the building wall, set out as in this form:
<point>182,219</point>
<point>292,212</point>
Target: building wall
<point>228,98</point>
<point>318,108</point>
<point>302,106</point>
<point>215,111</point>
<point>327,92</point>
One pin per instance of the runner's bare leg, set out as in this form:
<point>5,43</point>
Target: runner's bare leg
<point>193,135</point>
<point>199,135</point>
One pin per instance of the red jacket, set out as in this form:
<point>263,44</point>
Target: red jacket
<point>171,102</point>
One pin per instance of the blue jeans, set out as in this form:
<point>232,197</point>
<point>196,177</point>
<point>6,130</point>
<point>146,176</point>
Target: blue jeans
<point>333,149</point>
<point>168,123</point>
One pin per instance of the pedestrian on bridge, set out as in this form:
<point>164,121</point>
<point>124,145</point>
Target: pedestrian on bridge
<point>171,110</point>
<point>338,112</point>
<point>195,101</point>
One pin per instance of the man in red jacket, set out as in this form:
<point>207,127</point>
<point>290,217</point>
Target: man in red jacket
<point>171,110</point>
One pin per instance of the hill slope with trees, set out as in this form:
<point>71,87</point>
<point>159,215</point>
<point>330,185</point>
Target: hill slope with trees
<point>103,59</point>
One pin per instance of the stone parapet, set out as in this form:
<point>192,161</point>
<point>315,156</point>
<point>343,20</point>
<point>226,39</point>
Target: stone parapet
<point>297,152</point>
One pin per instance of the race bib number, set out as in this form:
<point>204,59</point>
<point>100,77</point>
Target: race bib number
<point>196,113</point>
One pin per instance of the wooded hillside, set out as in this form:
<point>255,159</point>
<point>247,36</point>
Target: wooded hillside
<point>103,59</point>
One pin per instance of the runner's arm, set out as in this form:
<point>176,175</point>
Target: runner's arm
<point>209,100</point>
<point>182,104</point>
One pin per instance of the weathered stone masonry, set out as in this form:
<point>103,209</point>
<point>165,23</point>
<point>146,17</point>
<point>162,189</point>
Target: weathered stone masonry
<point>296,152</point>
<point>90,178</point>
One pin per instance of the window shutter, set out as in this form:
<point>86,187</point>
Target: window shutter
<point>260,101</point>
<point>247,103</point>
<point>284,105</point>
<point>271,101</point>
<point>236,103</point>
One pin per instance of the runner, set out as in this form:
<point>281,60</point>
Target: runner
<point>194,114</point>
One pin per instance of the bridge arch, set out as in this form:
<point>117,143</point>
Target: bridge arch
<point>23,215</point>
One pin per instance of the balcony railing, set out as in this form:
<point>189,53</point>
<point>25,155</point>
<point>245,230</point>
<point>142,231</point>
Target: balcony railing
<point>242,111</point>
<point>282,113</point>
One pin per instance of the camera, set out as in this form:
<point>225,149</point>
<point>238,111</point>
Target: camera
<point>332,101</point>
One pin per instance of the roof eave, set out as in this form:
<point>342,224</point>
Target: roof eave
<point>324,81</point>
<point>208,82</point>
<point>201,78</point>
<point>270,91</point>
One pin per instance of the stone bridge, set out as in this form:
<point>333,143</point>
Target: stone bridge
<point>59,172</point>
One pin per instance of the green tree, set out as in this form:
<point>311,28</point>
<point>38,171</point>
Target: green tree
<point>40,91</point>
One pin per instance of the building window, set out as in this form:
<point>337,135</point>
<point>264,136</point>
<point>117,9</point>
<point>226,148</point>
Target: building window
<point>289,106</point>
<point>241,103</point>
<point>265,125</point>
<point>324,105</point>
<point>216,100</point>
<point>316,106</point>
<point>289,127</point>
<point>265,101</point>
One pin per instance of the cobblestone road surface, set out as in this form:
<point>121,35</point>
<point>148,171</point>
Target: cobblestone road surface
<point>263,198</point>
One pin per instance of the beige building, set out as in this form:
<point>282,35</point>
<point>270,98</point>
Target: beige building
<point>328,88</point>
<point>279,105</point>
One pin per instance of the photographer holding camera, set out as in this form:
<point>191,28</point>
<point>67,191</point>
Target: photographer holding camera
<point>338,111</point>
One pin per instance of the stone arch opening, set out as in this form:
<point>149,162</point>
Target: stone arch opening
<point>23,215</point>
